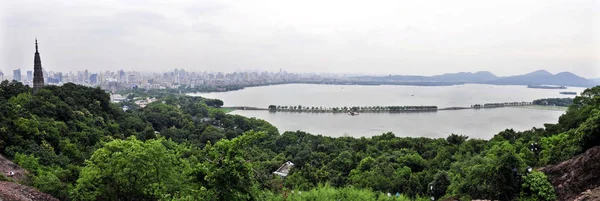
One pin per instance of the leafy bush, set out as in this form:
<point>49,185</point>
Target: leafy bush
<point>440,184</point>
<point>130,169</point>
<point>559,147</point>
<point>589,131</point>
<point>537,186</point>
<point>28,162</point>
<point>47,182</point>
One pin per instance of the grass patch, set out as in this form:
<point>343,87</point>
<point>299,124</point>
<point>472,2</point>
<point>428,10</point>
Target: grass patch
<point>226,110</point>
<point>328,193</point>
<point>543,107</point>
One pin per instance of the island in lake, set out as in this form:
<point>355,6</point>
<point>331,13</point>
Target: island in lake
<point>546,87</point>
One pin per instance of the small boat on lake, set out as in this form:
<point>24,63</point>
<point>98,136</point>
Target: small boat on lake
<point>568,93</point>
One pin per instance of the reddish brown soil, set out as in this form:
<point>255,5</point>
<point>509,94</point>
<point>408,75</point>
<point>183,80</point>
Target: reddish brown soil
<point>10,191</point>
<point>6,166</point>
<point>16,192</point>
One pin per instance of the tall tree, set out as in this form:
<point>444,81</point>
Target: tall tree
<point>130,170</point>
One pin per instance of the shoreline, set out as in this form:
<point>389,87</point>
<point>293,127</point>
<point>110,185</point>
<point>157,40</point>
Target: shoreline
<point>543,107</point>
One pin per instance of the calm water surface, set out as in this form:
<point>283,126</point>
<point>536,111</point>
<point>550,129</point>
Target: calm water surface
<point>482,123</point>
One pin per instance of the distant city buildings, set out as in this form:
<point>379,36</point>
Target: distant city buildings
<point>116,98</point>
<point>94,78</point>
<point>176,78</point>
<point>86,76</point>
<point>143,103</point>
<point>17,75</point>
<point>55,78</point>
<point>29,76</point>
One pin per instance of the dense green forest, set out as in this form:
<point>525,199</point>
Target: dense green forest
<point>79,146</point>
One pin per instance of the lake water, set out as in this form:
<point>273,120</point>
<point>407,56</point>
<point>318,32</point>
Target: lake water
<point>483,123</point>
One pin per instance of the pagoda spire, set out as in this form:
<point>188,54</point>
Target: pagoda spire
<point>38,74</point>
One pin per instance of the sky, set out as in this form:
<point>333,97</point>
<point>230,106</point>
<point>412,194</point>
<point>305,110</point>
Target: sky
<point>426,37</point>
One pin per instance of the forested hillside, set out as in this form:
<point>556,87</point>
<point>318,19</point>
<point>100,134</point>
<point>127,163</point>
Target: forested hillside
<point>79,146</point>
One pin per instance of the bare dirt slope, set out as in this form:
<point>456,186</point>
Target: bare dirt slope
<point>10,191</point>
<point>16,192</point>
<point>7,166</point>
<point>589,195</point>
<point>574,177</point>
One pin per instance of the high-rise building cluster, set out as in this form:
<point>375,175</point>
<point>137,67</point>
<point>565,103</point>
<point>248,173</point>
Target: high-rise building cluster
<point>121,79</point>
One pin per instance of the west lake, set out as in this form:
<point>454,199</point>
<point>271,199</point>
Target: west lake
<point>482,123</point>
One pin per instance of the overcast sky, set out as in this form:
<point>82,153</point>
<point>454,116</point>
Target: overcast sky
<point>422,37</point>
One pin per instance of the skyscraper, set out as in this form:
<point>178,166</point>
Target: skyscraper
<point>121,77</point>
<point>17,75</point>
<point>59,77</point>
<point>86,76</point>
<point>29,76</point>
<point>38,75</point>
<point>94,78</point>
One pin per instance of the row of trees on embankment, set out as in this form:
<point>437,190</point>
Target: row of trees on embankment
<point>494,105</point>
<point>563,102</point>
<point>300,108</point>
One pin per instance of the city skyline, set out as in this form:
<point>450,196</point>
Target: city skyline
<point>26,70</point>
<point>382,37</point>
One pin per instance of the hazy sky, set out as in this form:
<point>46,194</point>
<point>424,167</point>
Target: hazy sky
<point>399,37</point>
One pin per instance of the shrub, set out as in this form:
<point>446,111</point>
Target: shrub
<point>559,147</point>
<point>537,187</point>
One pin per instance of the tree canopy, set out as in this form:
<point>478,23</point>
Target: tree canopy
<point>80,146</point>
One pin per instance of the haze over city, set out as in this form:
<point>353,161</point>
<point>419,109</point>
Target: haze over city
<point>376,37</point>
<point>278,100</point>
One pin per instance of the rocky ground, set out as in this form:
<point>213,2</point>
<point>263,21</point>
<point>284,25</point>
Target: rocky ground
<point>10,191</point>
<point>589,195</point>
<point>7,166</point>
<point>577,178</point>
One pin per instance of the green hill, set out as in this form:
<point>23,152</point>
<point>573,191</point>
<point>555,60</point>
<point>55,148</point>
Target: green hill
<point>79,146</point>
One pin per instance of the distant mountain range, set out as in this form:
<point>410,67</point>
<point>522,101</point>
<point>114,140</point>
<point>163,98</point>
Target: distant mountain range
<point>540,77</point>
